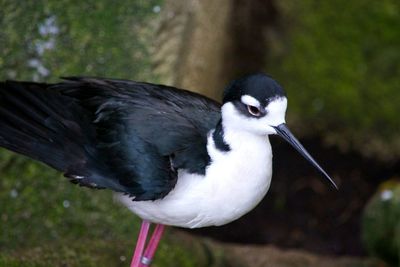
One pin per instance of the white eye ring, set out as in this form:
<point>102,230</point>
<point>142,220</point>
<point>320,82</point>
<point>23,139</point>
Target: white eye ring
<point>255,111</point>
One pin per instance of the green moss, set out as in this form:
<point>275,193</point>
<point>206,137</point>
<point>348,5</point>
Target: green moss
<point>97,38</point>
<point>340,63</point>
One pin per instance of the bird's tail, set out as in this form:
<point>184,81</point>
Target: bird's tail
<point>36,121</point>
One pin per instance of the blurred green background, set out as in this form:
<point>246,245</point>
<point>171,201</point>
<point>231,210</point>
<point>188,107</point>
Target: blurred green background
<point>339,62</point>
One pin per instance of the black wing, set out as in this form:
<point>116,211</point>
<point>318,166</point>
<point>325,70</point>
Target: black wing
<point>127,136</point>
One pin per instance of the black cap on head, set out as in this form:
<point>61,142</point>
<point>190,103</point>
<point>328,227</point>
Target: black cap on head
<point>260,86</point>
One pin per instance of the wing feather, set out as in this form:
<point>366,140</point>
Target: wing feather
<point>123,135</point>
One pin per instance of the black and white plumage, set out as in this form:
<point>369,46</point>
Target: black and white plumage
<point>127,136</point>
<point>177,157</point>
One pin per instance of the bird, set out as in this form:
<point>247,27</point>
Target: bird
<point>172,156</point>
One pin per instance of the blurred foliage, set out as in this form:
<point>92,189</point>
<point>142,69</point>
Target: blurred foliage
<point>381,223</point>
<point>340,63</point>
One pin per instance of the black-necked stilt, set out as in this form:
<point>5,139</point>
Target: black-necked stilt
<point>176,157</point>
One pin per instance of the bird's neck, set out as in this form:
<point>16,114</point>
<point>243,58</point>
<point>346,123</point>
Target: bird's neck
<point>225,137</point>
<point>218,138</point>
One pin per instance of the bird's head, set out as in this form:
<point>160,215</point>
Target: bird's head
<point>257,104</point>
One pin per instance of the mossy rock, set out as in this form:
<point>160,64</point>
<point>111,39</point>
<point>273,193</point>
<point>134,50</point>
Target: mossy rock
<point>340,66</point>
<point>381,223</point>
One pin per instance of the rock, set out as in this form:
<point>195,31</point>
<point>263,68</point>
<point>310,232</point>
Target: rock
<point>381,223</point>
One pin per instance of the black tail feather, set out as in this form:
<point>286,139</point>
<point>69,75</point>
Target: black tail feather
<point>35,122</point>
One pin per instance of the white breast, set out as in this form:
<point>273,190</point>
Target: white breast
<point>234,183</point>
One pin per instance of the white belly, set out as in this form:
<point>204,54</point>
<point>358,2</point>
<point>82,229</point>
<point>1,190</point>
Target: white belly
<point>234,183</point>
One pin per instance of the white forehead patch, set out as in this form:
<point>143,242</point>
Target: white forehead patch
<point>276,111</point>
<point>249,100</point>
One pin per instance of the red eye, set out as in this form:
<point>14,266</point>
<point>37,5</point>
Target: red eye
<point>253,111</point>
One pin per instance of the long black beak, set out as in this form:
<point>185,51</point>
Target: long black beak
<point>285,133</point>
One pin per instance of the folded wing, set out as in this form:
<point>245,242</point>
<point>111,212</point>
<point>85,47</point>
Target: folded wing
<point>127,136</point>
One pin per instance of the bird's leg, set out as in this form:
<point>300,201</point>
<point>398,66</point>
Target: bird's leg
<point>144,229</point>
<point>152,246</point>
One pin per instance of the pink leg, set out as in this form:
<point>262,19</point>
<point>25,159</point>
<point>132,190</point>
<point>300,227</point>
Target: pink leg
<point>152,246</point>
<point>144,229</point>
